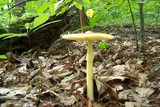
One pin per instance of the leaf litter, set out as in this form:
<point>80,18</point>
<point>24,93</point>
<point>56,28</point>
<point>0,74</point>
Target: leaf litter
<point>56,77</point>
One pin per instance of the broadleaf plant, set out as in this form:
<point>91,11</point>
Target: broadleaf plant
<point>2,57</point>
<point>40,20</point>
<point>104,45</point>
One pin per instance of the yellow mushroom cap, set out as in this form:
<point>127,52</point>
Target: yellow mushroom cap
<point>88,36</point>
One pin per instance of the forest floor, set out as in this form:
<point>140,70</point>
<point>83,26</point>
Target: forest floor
<point>54,77</point>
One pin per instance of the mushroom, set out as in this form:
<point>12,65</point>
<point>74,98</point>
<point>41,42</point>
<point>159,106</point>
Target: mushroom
<point>89,37</point>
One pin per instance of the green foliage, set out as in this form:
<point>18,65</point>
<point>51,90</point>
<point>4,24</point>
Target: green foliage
<point>29,33</point>
<point>36,14</point>
<point>2,57</point>
<point>106,12</point>
<point>116,12</point>
<point>38,81</point>
<point>40,20</point>
<point>41,9</point>
<point>69,78</point>
<point>80,3</point>
<point>93,21</point>
<point>11,35</point>
<point>27,52</point>
<point>31,8</point>
<point>104,45</point>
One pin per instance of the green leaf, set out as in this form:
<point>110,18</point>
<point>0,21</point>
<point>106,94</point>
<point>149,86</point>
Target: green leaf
<point>5,35</point>
<point>154,0</point>
<point>104,45</point>
<point>62,10</point>
<point>110,6</point>
<point>68,78</point>
<point>80,3</point>
<point>43,25</point>
<point>85,28</point>
<point>1,1</point>
<point>51,8</point>
<point>107,1</point>
<point>53,1</point>
<point>121,3</point>
<point>40,20</point>
<point>27,25</point>
<point>54,89</point>
<point>77,5</point>
<point>43,8</point>
<point>32,6</point>
<point>94,20</point>
<point>15,35</point>
<point>37,79</point>
<point>11,35</point>
<point>61,6</point>
<point>3,57</point>
<point>88,2</point>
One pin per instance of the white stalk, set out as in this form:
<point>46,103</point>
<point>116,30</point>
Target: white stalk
<point>90,57</point>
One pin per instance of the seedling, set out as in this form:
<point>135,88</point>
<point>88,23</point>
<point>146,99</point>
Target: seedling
<point>3,57</point>
<point>104,45</point>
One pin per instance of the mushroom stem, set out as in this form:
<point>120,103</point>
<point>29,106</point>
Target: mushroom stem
<point>89,58</point>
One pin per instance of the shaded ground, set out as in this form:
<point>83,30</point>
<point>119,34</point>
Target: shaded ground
<point>124,77</point>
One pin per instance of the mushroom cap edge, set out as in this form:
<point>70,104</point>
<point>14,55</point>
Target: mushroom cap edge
<point>88,36</point>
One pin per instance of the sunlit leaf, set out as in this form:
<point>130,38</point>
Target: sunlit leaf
<point>32,6</point>
<point>94,20</point>
<point>61,4</point>
<point>43,8</point>
<point>43,25</point>
<point>51,8</point>
<point>16,35</point>
<point>3,57</point>
<point>5,35</point>
<point>77,5</point>
<point>68,78</point>
<point>53,1</point>
<point>1,1</point>
<point>27,25</point>
<point>40,20</point>
<point>110,6</point>
<point>62,10</point>
<point>104,45</point>
<point>121,3</point>
<point>88,2</point>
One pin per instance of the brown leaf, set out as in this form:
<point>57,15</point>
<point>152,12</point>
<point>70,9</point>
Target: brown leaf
<point>131,104</point>
<point>68,100</point>
<point>131,75</point>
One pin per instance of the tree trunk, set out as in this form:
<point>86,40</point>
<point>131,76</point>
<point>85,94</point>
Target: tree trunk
<point>141,26</point>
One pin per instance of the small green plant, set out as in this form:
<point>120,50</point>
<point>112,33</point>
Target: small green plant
<point>37,79</point>
<point>41,9</point>
<point>11,35</point>
<point>3,57</point>
<point>104,45</point>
